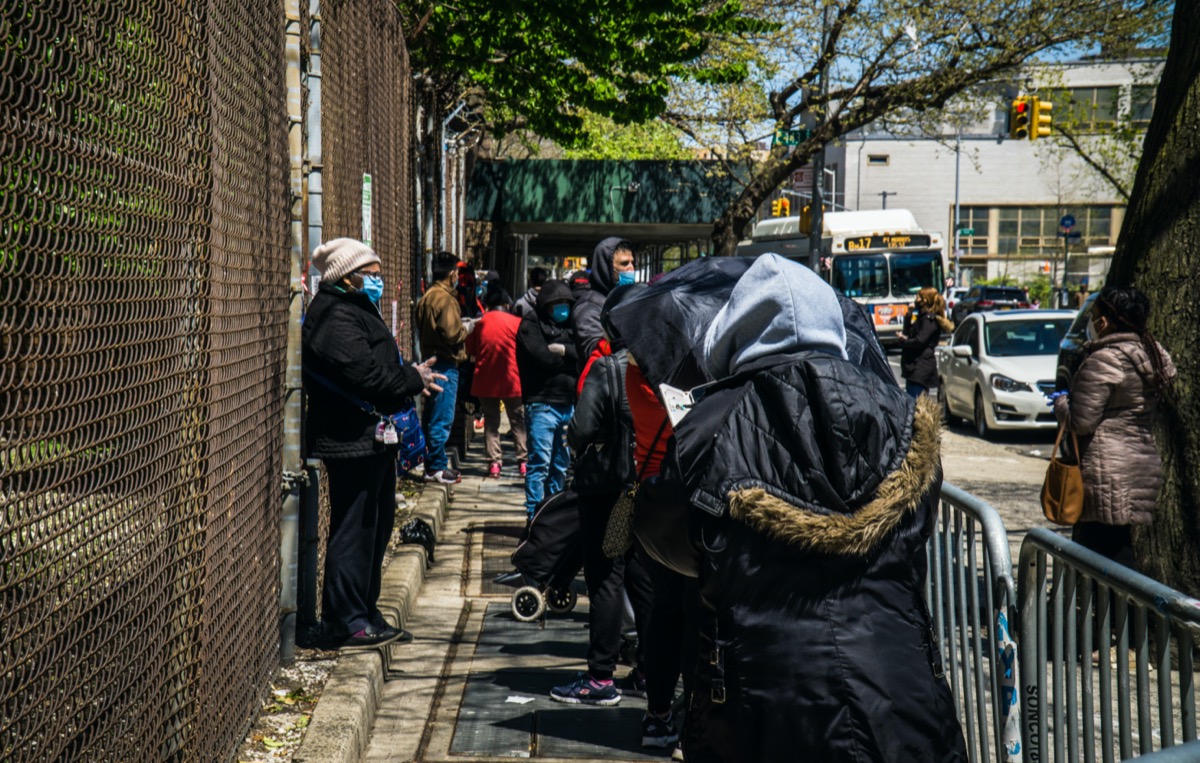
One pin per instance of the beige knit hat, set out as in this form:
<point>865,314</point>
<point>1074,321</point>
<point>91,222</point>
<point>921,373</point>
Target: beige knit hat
<point>334,259</point>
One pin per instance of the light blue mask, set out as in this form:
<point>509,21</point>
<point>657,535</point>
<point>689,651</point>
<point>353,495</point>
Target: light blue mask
<point>560,313</point>
<point>372,287</point>
<point>626,277</point>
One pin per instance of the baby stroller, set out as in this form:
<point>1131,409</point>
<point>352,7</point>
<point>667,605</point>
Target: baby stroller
<point>548,559</point>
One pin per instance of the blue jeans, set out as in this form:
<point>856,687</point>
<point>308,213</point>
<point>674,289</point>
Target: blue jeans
<point>913,389</point>
<point>439,416</point>
<point>548,454</point>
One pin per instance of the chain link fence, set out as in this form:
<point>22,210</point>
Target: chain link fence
<point>144,291</point>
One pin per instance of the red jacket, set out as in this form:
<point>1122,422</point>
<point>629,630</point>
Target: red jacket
<point>493,344</point>
<point>603,349</point>
<point>649,420</point>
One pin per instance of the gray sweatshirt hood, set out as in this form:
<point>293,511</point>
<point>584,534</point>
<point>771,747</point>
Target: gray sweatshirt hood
<point>778,307</point>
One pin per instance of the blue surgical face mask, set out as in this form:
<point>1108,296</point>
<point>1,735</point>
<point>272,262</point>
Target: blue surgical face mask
<point>560,313</point>
<point>626,277</point>
<point>372,287</point>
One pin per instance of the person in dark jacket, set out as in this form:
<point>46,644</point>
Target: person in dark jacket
<point>350,356</point>
<point>926,323</point>
<point>527,303</point>
<point>812,481</point>
<point>546,363</point>
<point>611,264</point>
<point>601,434</point>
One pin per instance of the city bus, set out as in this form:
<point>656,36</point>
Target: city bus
<point>879,258</point>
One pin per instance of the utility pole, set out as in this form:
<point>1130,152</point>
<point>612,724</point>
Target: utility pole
<point>886,194</point>
<point>957,218</point>
<point>818,162</point>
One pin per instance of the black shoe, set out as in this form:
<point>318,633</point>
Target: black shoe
<point>374,636</point>
<point>381,624</point>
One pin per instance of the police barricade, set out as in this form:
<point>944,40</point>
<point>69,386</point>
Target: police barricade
<point>1106,656</point>
<point>972,597</point>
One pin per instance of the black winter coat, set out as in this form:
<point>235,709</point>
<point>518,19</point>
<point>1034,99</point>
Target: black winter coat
<point>918,364</point>
<point>586,320</point>
<point>601,431</point>
<point>813,483</point>
<point>547,377</point>
<point>345,340</point>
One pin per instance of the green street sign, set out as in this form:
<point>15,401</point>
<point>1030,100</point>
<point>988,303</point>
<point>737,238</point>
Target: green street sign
<point>966,231</point>
<point>791,137</point>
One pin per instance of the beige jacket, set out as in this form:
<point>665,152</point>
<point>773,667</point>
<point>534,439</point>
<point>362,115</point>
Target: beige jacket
<point>1111,409</point>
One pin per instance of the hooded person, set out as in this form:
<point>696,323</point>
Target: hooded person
<point>546,365</point>
<point>611,264</point>
<point>527,303</point>
<point>812,484</point>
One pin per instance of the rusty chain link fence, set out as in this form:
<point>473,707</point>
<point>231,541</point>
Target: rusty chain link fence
<point>144,291</point>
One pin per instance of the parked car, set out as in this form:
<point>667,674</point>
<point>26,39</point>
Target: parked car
<point>1070,349</point>
<point>999,367</point>
<point>980,299</point>
<point>952,296</point>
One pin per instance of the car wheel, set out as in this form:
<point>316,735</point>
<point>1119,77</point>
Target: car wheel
<point>981,425</point>
<point>947,415</point>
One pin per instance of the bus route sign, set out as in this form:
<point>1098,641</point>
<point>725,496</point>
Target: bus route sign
<point>897,241</point>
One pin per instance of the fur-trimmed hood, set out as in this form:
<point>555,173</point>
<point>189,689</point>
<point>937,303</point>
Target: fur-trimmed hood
<point>858,533</point>
<point>812,450</point>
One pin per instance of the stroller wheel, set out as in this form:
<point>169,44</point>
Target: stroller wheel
<point>528,604</point>
<point>560,602</point>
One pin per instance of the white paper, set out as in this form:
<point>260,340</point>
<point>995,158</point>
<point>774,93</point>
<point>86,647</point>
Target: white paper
<point>677,401</point>
<point>519,700</point>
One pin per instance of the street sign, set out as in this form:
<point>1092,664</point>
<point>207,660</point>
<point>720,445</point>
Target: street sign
<point>366,209</point>
<point>966,231</point>
<point>791,137</point>
<point>1067,222</point>
<point>802,178</point>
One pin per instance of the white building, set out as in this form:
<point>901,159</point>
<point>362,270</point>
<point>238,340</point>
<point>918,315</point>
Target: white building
<point>1011,194</point>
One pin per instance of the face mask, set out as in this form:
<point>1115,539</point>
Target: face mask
<point>1092,333</point>
<point>372,287</point>
<point>560,313</point>
<point>625,277</point>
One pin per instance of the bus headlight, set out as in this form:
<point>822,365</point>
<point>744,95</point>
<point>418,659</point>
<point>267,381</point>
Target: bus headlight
<point>1005,384</point>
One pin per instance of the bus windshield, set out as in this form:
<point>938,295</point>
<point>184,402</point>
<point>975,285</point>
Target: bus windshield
<point>869,275</point>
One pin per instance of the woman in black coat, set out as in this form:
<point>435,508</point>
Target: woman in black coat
<point>918,365</point>
<point>813,482</point>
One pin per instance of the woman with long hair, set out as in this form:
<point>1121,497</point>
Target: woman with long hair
<point>1110,408</point>
<point>918,365</point>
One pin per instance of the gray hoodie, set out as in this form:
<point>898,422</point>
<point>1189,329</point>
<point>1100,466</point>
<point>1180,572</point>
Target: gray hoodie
<point>778,307</point>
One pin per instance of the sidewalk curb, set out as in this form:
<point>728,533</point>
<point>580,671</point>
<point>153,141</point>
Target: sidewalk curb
<point>341,723</point>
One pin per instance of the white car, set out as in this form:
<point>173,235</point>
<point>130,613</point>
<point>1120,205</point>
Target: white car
<point>999,367</point>
<point>952,295</point>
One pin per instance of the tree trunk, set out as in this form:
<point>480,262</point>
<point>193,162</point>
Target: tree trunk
<point>1157,253</point>
<point>731,225</point>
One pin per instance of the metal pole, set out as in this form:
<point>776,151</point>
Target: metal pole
<point>957,216</point>
<point>818,162</point>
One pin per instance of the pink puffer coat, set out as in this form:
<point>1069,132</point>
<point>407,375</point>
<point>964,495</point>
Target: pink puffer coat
<point>1111,409</point>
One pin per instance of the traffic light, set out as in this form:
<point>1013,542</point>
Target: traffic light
<point>1019,115</point>
<point>1040,125</point>
<point>781,208</point>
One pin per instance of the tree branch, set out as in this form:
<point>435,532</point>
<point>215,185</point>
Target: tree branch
<point>1091,161</point>
<point>779,99</point>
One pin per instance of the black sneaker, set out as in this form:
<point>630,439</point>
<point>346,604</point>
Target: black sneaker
<point>658,732</point>
<point>445,476</point>
<point>373,636</point>
<point>632,685</point>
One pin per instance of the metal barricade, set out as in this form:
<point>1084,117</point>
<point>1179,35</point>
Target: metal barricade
<point>972,595</point>
<point>1092,609</point>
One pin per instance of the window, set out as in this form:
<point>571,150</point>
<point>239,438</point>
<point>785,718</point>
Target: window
<point>1087,109</point>
<point>878,160</point>
<point>976,220</point>
<point>864,276</point>
<point>1035,230</point>
<point>1141,106</point>
<point>967,334</point>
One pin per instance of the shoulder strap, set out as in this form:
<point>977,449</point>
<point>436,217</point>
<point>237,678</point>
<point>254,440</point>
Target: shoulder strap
<point>357,402</point>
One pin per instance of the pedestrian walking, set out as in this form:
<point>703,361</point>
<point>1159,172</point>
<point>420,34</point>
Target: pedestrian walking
<point>496,382</point>
<point>925,324</point>
<point>1111,408</point>
<point>350,358</point>
<point>601,434</point>
<point>443,334</point>
<point>527,303</point>
<point>611,264</point>
<point>813,481</point>
<point>546,362</point>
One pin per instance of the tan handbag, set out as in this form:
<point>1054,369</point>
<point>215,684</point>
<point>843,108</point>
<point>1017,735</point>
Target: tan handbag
<point>618,533</point>
<point>1062,490</point>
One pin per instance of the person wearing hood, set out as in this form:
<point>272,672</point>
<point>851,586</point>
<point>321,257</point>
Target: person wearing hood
<point>546,364</point>
<point>528,301</point>
<point>611,264</point>
<point>349,356</point>
<point>922,332</point>
<point>812,482</point>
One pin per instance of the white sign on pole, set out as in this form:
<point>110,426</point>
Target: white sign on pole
<point>366,209</point>
<point>802,179</point>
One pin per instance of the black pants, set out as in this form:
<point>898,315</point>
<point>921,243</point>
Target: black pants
<point>362,512</point>
<point>672,639</point>
<point>1112,541</point>
<point>608,581</point>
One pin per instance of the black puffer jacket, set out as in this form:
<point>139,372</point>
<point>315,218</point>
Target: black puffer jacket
<point>814,483</point>
<point>918,364</point>
<point>346,341</point>
<point>547,377</point>
<point>588,331</point>
<point>601,431</point>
